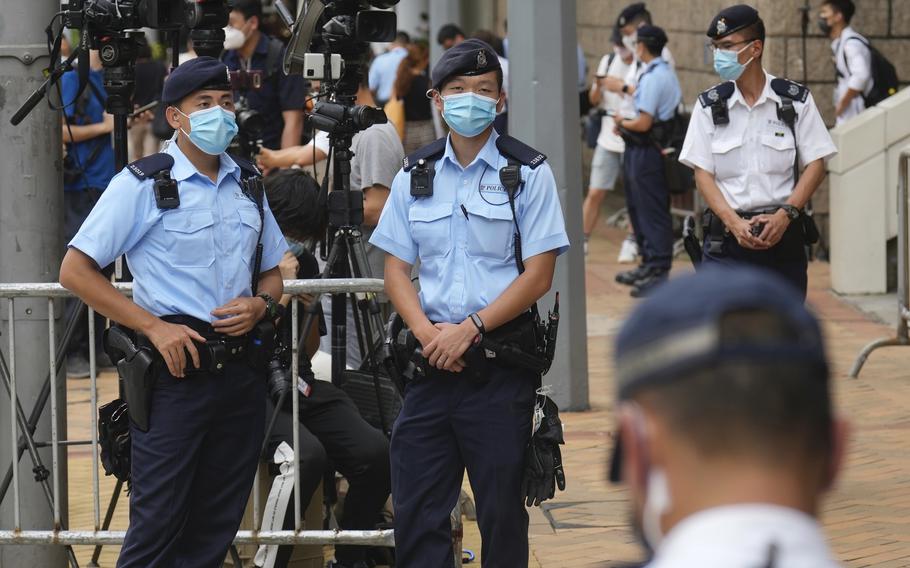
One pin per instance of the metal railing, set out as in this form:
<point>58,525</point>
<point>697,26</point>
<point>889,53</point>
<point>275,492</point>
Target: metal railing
<point>903,271</point>
<point>59,535</point>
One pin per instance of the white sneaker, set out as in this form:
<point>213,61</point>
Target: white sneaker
<point>628,252</point>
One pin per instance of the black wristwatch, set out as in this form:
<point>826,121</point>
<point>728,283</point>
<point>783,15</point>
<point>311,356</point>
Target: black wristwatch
<point>478,323</point>
<point>792,212</point>
<point>272,308</point>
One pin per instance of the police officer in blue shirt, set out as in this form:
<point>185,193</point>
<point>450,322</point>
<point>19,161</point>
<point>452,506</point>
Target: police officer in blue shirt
<point>191,252</point>
<point>450,207</point>
<point>647,197</point>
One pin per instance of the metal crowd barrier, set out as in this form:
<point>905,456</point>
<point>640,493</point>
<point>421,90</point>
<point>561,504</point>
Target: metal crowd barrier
<point>100,535</point>
<point>903,271</point>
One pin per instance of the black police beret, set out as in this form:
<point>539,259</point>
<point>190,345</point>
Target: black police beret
<point>470,57</point>
<point>652,35</point>
<point>630,12</point>
<point>731,20</point>
<point>194,75</point>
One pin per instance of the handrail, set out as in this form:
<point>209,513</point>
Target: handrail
<point>902,337</point>
<point>100,536</point>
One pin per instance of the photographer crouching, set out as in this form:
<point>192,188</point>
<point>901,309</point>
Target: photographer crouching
<point>332,433</point>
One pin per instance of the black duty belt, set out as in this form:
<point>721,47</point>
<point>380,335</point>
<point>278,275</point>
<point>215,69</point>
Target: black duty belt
<point>218,349</point>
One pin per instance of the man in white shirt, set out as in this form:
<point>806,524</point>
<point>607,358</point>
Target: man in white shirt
<point>852,58</point>
<point>727,437</point>
<point>607,162</point>
<point>758,146</point>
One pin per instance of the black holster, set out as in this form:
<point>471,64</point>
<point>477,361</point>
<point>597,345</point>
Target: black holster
<point>137,370</point>
<point>714,232</point>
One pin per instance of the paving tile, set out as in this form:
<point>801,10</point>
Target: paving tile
<point>867,516</point>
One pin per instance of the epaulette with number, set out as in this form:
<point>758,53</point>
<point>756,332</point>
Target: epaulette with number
<point>717,93</point>
<point>147,167</point>
<point>790,89</point>
<point>432,151</point>
<point>514,149</point>
<point>158,166</point>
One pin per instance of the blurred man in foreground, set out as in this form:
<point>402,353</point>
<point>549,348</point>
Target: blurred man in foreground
<point>727,439</point>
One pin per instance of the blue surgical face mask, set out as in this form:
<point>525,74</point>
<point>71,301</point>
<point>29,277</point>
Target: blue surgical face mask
<point>727,64</point>
<point>468,114</point>
<point>211,129</point>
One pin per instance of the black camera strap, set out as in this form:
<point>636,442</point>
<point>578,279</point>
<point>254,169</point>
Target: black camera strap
<point>252,186</point>
<point>789,92</point>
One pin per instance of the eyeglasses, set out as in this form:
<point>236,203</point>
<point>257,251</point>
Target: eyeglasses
<point>727,45</point>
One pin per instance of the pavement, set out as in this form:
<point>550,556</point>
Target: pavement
<point>867,516</point>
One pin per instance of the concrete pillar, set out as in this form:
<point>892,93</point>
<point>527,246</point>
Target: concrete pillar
<point>543,112</point>
<point>442,12</point>
<point>410,15</point>
<point>31,218</point>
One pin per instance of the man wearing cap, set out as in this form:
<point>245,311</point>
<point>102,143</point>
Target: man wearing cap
<point>189,223</point>
<point>457,206</point>
<point>647,197</point>
<point>758,147</point>
<point>727,437</point>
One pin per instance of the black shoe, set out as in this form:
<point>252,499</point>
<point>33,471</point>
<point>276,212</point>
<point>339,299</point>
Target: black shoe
<point>630,277</point>
<point>653,278</point>
<point>77,366</point>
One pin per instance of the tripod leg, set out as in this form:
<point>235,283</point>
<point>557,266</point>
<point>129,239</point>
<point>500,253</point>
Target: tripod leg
<point>108,516</point>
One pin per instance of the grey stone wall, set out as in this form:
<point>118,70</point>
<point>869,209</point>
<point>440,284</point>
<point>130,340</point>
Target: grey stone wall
<point>885,22</point>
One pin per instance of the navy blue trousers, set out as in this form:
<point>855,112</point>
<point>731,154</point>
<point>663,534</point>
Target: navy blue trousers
<point>449,424</point>
<point>193,470</point>
<point>787,258</point>
<point>648,204</point>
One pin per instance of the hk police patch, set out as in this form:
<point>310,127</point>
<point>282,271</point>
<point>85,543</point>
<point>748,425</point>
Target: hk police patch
<point>713,95</point>
<point>721,26</point>
<point>793,90</point>
<point>481,59</point>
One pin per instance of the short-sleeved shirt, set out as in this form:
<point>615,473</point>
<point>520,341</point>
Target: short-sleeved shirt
<point>95,156</point>
<point>752,157</point>
<point>189,260</point>
<point>612,65</point>
<point>377,158</point>
<point>853,62</point>
<point>383,72</point>
<point>279,92</point>
<point>462,234</point>
<point>658,92</point>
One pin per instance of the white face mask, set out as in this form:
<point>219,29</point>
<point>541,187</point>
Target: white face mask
<point>657,504</point>
<point>233,38</point>
<point>629,41</point>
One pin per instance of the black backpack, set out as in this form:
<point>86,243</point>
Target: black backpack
<point>884,75</point>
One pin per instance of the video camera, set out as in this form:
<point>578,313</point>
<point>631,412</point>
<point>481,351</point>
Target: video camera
<point>204,18</point>
<point>112,27</point>
<point>338,28</point>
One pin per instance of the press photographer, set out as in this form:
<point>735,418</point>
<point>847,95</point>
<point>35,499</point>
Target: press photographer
<point>332,433</point>
<point>279,98</point>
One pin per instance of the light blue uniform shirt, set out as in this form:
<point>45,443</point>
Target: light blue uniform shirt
<point>383,71</point>
<point>658,92</point>
<point>467,260</point>
<point>188,260</point>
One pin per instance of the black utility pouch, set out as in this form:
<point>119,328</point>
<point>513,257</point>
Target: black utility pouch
<point>263,343</point>
<point>810,229</point>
